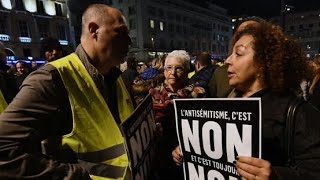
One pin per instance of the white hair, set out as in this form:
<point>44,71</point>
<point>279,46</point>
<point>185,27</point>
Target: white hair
<point>180,54</point>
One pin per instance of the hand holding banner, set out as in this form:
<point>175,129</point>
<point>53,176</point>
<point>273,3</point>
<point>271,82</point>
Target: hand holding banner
<point>212,132</point>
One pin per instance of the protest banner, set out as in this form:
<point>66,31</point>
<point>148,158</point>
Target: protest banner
<point>212,132</point>
<point>139,131</point>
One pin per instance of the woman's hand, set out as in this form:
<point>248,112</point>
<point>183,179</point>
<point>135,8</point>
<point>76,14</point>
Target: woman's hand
<point>176,155</point>
<point>253,168</point>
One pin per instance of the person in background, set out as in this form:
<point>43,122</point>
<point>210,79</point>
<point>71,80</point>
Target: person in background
<point>268,64</point>
<point>141,66</point>
<point>217,62</point>
<point>204,70</point>
<point>8,88</point>
<point>192,70</point>
<point>22,72</point>
<point>219,83</point>
<point>130,73</point>
<point>149,78</point>
<point>51,49</point>
<point>72,107</point>
<point>314,90</point>
<point>34,65</point>
<point>175,85</point>
<point>158,62</point>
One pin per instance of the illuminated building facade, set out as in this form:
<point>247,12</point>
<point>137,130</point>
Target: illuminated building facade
<point>305,27</point>
<point>160,26</point>
<point>23,23</point>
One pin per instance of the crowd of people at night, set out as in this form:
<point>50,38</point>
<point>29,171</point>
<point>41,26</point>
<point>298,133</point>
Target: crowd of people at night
<point>61,120</point>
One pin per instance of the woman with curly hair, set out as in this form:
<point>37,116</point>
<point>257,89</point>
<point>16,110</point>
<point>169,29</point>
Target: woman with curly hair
<point>314,90</point>
<point>268,64</point>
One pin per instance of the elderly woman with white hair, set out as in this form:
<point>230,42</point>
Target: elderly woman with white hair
<point>176,85</point>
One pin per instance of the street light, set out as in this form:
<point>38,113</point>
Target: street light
<point>284,9</point>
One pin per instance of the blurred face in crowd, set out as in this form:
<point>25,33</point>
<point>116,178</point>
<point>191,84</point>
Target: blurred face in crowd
<point>34,64</point>
<point>21,68</point>
<point>53,53</point>
<point>175,72</point>
<point>242,70</point>
<point>141,67</point>
<point>123,66</point>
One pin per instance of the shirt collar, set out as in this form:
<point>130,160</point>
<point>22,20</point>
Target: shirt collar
<point>113,74</point>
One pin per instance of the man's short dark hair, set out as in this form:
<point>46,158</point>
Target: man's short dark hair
<point>204,58</point>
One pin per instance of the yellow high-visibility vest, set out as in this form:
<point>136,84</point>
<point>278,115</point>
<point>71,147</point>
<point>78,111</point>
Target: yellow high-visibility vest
<point>3,103</point>
<point>95,137</point>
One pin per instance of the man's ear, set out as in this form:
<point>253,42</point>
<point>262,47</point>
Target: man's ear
<point>93,29</point>
<point>197,65</point>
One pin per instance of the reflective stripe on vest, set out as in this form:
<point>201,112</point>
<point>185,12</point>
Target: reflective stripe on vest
<point>95,136</point>
<point>104,170</point>
<point>103,155</point>
<point>3,103</point>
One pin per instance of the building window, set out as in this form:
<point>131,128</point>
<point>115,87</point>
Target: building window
<point>185,32</point>
<point>161,13</point>
<point>291,28</point>
<point>179,44</point>
<point>27,52</point>
<point>40,7</point>
<point>204,46</point>
<point>170,28</point>
<point>43,28</point>
<point>178,18</point>
<point>214,48</point>
<point>132,24</point>
<point>170,15</point>
<point>19,5</point>
<point>23,28</point>
<point>161,24</point>
<point>58,7</point>
<point>132,10</point>
<point>178,29</point>
<point>184,19</point>
<point>134,42</point>
<point>151,10</point>
<point>61,30</point>
<point>172,44</point>
<point>151,23</point>
<point>3,24</point>
<point>162,43</point>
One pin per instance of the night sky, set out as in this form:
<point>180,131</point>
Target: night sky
<point>265,8</point>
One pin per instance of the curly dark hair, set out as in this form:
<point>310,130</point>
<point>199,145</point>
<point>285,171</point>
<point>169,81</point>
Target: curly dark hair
<point>282,62</point>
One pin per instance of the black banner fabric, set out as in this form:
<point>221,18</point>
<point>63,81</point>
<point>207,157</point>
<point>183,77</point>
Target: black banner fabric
<point>139,130</point>
<point>212,132</point>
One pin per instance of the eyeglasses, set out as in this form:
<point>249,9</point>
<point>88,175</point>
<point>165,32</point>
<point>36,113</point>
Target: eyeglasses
<point>178,69</point>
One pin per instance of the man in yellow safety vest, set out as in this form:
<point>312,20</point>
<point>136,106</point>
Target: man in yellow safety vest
<point>80,98</point>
